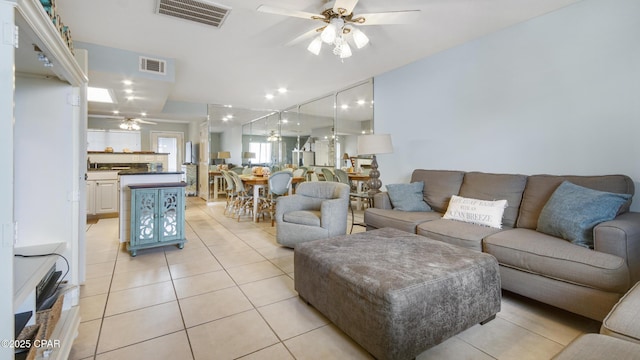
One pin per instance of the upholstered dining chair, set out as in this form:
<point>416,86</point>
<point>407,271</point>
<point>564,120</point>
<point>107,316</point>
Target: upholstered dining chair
<point>318,210</point>
<point>328,175</point>
<point>279,184</point>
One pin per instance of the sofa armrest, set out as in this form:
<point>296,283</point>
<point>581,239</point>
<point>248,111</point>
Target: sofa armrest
<point>334,216</point>
<point>381,201</point>
<point>621,237</point>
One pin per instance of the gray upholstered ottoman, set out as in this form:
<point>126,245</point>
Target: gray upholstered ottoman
<point>623,321</point>
<point>395,293</point>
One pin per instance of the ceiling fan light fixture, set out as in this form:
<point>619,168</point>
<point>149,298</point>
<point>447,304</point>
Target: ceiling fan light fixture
<point>135,126</point>
<point>315,46</point>
<point>123,126</point>
<point>330,32</point>
<point>359,38</point>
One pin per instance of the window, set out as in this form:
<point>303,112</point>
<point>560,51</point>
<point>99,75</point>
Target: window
<point>262,151</point>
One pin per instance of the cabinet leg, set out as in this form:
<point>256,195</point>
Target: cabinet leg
<point>133,253</point>
<point>181,246</point>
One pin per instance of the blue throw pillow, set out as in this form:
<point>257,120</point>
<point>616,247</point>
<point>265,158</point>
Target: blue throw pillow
<point>407,197</point>
<point>573,211</point>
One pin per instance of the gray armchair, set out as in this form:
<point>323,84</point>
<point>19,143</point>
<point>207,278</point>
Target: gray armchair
<point>318,210</point>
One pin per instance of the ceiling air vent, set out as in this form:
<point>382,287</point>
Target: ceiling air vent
<point>199,11</point>
<point>153,65</point>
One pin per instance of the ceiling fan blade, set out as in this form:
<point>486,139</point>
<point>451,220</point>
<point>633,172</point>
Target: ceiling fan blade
<point>347,5</point>
<point>389,18</point>
<point>112,117</point>
<point>286,12</point>
<point>305,36</point>
<point>144,122</point>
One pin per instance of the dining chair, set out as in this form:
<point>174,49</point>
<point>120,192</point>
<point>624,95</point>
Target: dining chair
<point>229,189</point>
<point>343,177</point>
<point>328,175</point>
<point>279,184</point>
<point>243,200</point>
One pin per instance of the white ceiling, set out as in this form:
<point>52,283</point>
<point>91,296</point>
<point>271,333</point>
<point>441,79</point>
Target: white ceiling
<point>247,57</point>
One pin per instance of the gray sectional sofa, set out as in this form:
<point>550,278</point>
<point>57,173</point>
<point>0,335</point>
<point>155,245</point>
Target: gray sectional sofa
<point>547,268</point>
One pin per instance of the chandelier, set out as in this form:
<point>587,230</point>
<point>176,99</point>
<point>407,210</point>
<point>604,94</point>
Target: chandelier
<point>129,125</point>
<point>273,136</point>
<point>336,33</point>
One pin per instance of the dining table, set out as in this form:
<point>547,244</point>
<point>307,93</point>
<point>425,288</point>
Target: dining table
<point>258,182</point>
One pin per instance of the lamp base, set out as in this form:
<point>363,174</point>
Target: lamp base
<point>374,182</point>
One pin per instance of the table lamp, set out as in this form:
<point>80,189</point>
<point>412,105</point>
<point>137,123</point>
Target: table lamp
<point>372,145</point>
<point>248,155</point>
<point>224,155</point>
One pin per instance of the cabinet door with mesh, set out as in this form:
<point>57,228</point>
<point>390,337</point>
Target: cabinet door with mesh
<point>171,218</point>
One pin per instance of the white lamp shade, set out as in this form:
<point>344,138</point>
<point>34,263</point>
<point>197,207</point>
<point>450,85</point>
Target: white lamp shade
<point>330,32</point>
<point>359,38</point>
<point>345,50</point>
<point>328,35</point>
<point>224,155</point>
<point>248,155</point>
<point>315,46</point>
<point>374,144</point>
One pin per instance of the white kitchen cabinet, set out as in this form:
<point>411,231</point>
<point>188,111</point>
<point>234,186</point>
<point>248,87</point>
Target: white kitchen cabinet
<point>91,197</point>
<point>106,196</point>
<point>102,192</point>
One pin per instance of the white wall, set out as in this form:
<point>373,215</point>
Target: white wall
<point>559,94</point>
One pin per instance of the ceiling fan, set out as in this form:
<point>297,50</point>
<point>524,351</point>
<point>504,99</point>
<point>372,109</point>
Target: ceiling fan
<point>341,24</point>
<point>127,123</point>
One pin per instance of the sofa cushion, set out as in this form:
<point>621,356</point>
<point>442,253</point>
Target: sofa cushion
<point>572,211</point>
<point>407,197</point>
<point>474,211</point>
<point>439,185</point>
<point>303,217</point>
<point>546,255</point>
<point>540,187</point>
<point>401,220</point>
<point>487,186</point>
<point>457,233</point>
<point>623,321</point>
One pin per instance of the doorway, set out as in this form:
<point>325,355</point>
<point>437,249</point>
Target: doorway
<point>171,143</point>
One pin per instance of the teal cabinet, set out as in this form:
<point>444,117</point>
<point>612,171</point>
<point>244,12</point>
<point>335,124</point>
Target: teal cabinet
<point>157,216</point>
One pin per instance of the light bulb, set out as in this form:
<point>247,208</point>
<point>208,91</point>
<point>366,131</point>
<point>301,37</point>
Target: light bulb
<point>135,126</point>
<point>315,46</point>
<point>359,38</point>
<point>123,126</point>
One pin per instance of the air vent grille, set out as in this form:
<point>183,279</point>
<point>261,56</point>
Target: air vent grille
<point>198,11</point>
<point>153,65</point>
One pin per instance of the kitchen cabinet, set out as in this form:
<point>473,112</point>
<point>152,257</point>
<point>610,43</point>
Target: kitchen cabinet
<point>43,111</point>
<point>157,216</point>
<point>102,192</point>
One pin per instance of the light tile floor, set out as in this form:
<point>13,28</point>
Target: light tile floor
<point>229,294</point>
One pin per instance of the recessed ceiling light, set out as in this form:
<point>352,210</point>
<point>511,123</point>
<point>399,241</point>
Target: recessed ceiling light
<point>128,91</point>
<point>361,102</point>
<point>225,119</point>
<point>228,106</point>
<point>230,116</point>
<point>130,98</point>
<point>282,90</point>
<point>269,96</point>
<point>116,112</point>
<point>284,121</point>
<point>344,106</point>
<point>143,114</point>
<point>127,82</point>
<point>100,95</point>
<point>363,132</point>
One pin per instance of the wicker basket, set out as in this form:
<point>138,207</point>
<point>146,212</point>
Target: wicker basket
<point>31,333</point>
<point>49,318</point>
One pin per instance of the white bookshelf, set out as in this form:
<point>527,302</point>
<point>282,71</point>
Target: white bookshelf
<point>43,154</point>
